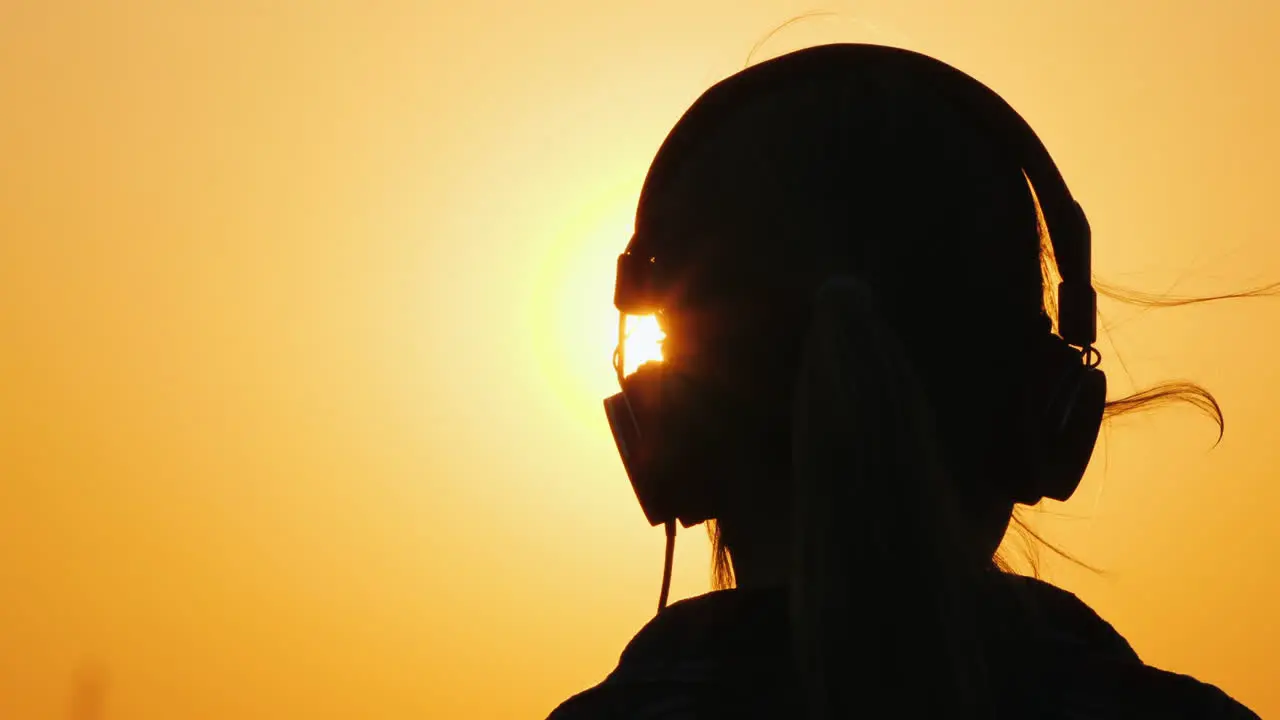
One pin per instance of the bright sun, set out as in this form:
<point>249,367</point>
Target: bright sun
<point>643,341</point>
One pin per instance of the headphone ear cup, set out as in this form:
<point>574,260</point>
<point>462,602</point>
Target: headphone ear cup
<point>634,416</point>
<point>1072,422</point>
<point>662,446</point>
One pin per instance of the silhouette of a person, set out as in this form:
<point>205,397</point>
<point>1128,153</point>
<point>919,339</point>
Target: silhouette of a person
<point>848,249</point>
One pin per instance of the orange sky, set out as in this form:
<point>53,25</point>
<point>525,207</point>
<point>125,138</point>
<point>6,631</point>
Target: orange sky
<point>305,320</point>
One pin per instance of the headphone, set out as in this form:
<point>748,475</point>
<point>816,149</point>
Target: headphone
<point>649,419</point>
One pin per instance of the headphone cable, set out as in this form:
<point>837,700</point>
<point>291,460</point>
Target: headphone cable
<point>666,565</point>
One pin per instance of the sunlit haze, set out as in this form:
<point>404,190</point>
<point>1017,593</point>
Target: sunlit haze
<point>643,342</point>
<point>306,319</point>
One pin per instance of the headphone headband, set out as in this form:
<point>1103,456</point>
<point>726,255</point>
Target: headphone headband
<point>640,287</point>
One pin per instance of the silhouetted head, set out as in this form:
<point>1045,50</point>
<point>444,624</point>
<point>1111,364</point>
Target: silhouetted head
<point>880,178</point>
<point>853,267</point>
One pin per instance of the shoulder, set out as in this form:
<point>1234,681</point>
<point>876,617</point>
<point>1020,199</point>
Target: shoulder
<point>1088,664</point>
<point>1062,619</point>
<point>692,661</point>
<point>629,703</point>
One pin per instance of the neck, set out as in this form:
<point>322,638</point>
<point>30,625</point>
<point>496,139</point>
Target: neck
<point>759,565</point>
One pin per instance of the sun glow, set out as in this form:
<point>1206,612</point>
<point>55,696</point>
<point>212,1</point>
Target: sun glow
<point>643,342</point>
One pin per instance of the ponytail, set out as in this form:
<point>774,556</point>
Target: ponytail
<point>881,601</point>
